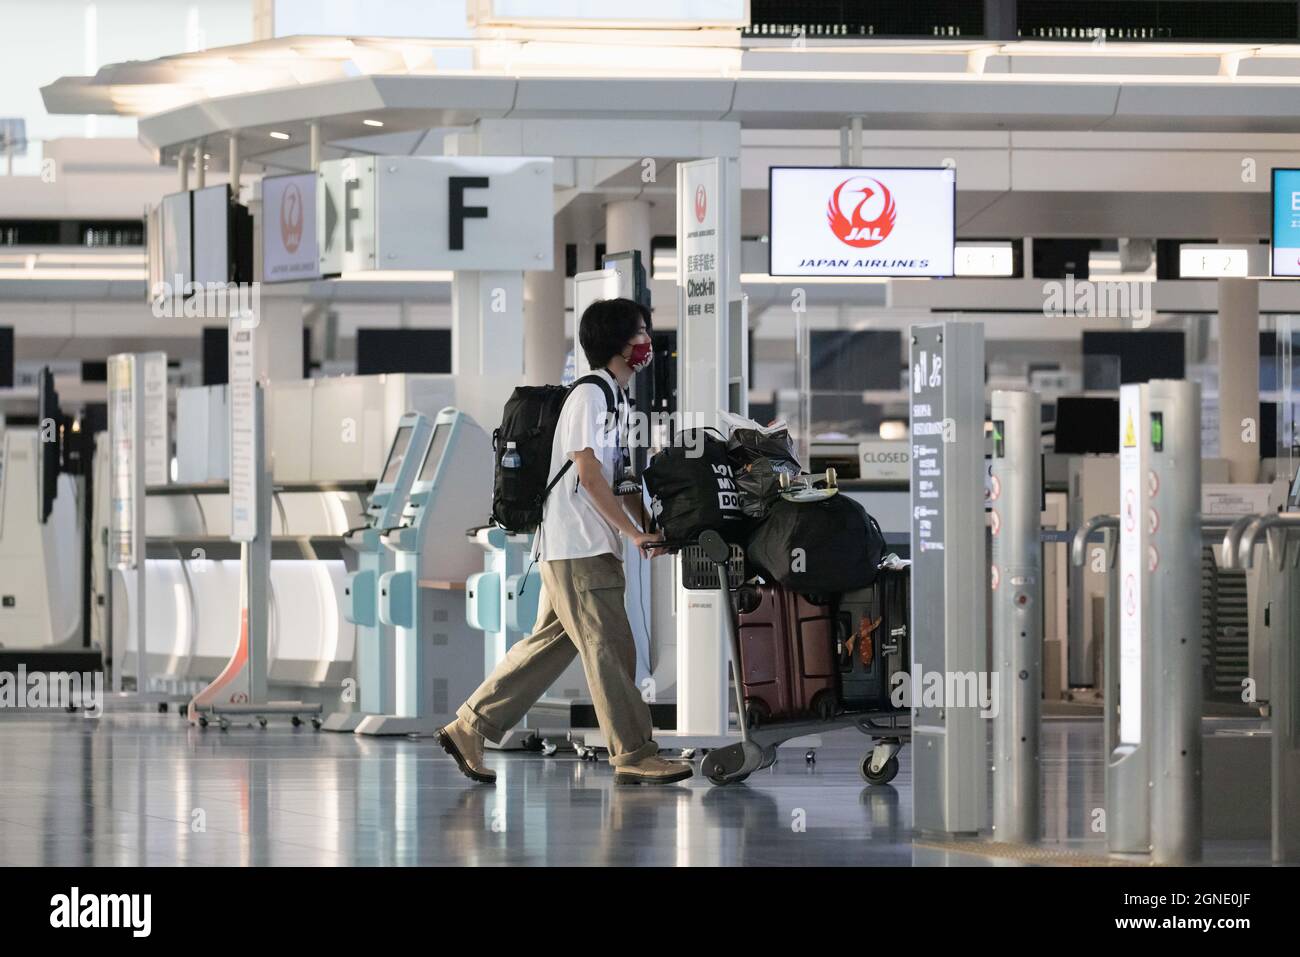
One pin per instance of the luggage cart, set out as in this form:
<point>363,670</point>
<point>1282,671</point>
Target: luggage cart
<point>757,746</point>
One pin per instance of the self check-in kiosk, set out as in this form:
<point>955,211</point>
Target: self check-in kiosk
<point>374,654</point>
<point>438,657</point>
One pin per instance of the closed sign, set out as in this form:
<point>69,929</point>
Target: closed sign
<point>885,461</point>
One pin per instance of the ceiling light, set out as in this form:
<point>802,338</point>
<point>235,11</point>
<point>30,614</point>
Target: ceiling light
<point>373,122</point>
<point>277,135</point>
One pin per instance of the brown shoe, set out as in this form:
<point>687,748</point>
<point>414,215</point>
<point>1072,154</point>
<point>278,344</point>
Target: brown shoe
<point>652,770</point>
<point>466,749</point>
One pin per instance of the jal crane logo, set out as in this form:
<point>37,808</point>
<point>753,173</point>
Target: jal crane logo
<point>853,201</point>
<point>701,203</point>
<point>291,218</point>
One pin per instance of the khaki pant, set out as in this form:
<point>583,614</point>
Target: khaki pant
<point>580,612</point>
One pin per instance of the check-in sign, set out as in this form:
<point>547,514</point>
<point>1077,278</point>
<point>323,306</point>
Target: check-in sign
<point>439,212</point>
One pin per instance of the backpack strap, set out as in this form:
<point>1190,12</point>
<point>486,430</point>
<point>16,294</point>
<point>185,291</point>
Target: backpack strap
<point>611,410</point>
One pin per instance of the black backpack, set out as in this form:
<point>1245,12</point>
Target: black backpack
<point>529,422</point>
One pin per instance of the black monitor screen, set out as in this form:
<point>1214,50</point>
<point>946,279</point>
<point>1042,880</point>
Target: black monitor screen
<point>855,361</point>
<point>1267,429</point>
<point>216,355</point>
<point>1112,359</point>
<point>6,357</point>
<point>403,350</point>
<point>1087,425</point>
<point>48,419</point>
<point>94,370</point>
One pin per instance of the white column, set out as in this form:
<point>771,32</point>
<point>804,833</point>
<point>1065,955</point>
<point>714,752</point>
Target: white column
<point>1239,378</point>
<point>544,325</point>
<point>627,227</point>
<point>279,338</point>
<point>200,167</point>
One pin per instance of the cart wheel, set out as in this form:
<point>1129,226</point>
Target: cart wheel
<point>315,724</point>
<point>810,757</point>
<point>297,721</point>
<point>162,707</point>
<point>224,725</point>
<point>757,713</point>
<point>884,775</point>
<point>717,775</point>
<point>203,721</point>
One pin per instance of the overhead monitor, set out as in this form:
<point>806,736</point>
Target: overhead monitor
<point>212,237</point>
<point>176,223</point>
<point>382,351</point>
<point>289,248</point>
<point>861,222</point>
<point>1286,222</point>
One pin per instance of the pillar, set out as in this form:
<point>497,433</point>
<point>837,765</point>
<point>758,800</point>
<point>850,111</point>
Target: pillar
<point>627,227</point>
<point>1239,378</point>
<point>545,330</point>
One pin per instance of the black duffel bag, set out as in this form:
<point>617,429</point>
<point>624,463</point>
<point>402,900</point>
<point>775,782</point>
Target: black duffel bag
<point>692,490</point>
<point>817,547</point>
<point>757,461</point>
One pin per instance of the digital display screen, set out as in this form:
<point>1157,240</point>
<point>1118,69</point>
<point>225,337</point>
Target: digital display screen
<point>1286,222</point>
<point>212,234</point>
<point>437,446</point>
<point>858,221</point>
<point>177,254</point>
<point>396,456</point>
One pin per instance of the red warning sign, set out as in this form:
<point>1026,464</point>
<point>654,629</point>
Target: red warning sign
<point>1153,483</point>
<point>994,576</point>
<point>1153,520</point>
<point>1153,558</point>
<point>995,521</point>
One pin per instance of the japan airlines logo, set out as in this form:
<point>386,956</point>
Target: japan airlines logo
<point>291,218</point>
<point>701,203</point>
<point>852,202</point>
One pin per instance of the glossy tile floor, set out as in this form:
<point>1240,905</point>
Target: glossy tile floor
<point>145,789</point>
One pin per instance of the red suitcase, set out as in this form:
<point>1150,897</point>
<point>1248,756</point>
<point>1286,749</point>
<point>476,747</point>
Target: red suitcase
<point>787,655</point>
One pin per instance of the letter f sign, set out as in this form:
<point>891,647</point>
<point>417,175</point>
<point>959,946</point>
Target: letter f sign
<point>458,212</point>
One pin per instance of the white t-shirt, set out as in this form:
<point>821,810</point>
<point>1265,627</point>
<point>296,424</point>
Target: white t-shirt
<point>571,525</point>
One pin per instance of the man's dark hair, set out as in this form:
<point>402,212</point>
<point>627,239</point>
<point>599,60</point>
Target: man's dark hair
<point>607,326</point>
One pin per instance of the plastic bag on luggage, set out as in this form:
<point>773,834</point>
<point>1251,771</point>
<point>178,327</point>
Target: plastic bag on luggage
<point>758,459</point>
